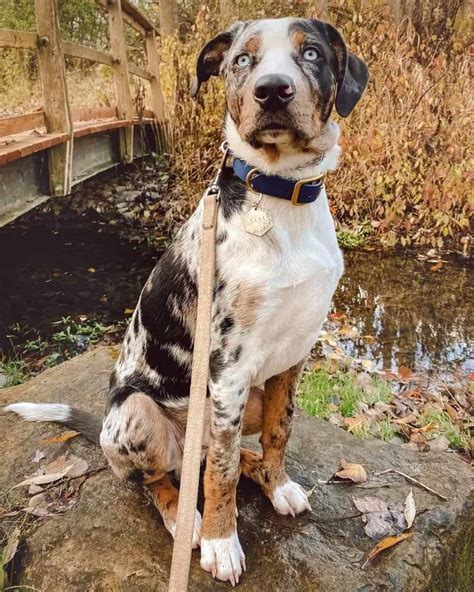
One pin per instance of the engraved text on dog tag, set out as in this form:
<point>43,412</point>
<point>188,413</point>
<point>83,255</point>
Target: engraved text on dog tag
<point>257,221</point>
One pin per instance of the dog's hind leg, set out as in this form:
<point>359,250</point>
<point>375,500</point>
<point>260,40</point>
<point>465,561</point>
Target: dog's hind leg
<point>268,470</point>
<point>141,445</point>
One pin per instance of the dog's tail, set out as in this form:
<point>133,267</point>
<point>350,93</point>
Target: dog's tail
<point>88,424</point>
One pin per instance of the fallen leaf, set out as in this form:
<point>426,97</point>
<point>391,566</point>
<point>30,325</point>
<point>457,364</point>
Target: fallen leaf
<point>58,469</point>
<point>453,414</point>
<point>405,373</point>
<point>11,547</point>
<point>34,489</point>
<point>128,311</point>
<point>369,504</point>
<point>386,544</point>
<point>409,509</point>
<point>437,266</point>
<point>38,457</point>
<point>91,270</point>
<point>351,472</point>
<point>38,505</point>
<point>367,365</point>
<point>410,418</point>
<point>353,423</point>
<point>383,524</point>
<point>63,438</point>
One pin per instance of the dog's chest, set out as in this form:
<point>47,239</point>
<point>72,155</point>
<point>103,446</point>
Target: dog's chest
<point>293,272</point>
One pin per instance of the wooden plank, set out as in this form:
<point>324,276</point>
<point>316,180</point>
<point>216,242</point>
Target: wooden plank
<point>157,100</point>
<point>101,126</point>
<point>27,145</point>
<point>126,18</point>
<point>122,85</point>
<point>91,113</point>
<point>87,53</point>
<point>137,15</point>
<point>18,39</point>
<point>21,123</point>
<point>55,99</point>
<point>137,71</point>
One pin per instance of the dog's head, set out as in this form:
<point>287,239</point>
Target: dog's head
<point>283,78</point>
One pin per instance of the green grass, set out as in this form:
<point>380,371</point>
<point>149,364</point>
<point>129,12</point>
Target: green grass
<point>386,430</point>
<point>352,239</point>
<point>15,370</point>
<point>445,427</point>
<point>319,391</point>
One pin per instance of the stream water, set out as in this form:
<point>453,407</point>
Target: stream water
<point>416,313</point>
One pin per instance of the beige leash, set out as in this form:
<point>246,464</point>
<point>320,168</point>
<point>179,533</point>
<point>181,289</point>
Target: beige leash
<point>188,492</point>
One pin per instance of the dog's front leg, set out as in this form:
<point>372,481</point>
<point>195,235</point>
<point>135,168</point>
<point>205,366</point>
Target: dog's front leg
<point>221,553</point>
<point>268,469</point>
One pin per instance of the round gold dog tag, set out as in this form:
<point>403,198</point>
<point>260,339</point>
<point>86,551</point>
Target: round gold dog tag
<point>257,221</point>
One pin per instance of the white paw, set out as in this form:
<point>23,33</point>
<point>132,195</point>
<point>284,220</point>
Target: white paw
<point>171,527</point>
<point>223,558</point>
<point>290,498</point>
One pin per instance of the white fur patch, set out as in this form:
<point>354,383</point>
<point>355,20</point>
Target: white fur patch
<point>41,411</point>
<point>290,498</point>
<point>223,558</point>
<point>171,528</point>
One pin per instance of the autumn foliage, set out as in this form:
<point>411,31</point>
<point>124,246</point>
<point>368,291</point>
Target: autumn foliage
<point>405,173</point>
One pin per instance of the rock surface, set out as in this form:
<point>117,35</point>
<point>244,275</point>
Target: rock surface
<point>113,539</point>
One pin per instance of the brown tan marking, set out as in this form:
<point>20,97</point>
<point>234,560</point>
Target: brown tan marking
<point>245,305</point>
<point>165,497</point>
<point>268,470</point>
<point>253,45</point>
<point>299,38</point>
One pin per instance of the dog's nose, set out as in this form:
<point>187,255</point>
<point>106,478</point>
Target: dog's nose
<point>273,91</point>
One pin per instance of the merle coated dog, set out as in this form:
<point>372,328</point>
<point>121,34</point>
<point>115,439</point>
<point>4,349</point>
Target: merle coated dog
<point>278,264</point>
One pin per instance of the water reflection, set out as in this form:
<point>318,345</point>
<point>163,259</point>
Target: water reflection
<point>420,317</point>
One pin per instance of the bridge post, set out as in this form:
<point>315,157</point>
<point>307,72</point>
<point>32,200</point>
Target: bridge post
<point>56,104</point>
<point>157,100</point>
<point>121,78</point>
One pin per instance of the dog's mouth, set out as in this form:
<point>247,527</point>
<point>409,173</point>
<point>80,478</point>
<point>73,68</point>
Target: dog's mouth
<point>272,132</point>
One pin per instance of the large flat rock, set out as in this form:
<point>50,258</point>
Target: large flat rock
<point>113,539</point>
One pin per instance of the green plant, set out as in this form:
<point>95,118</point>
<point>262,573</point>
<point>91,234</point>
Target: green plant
<point>15,371</point>
<point>385,429</point>
<point>444,425</point>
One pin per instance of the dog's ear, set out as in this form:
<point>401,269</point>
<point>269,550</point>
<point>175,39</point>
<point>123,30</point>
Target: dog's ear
<point>352,75</point>
<point>212,55</point>
<point>352,85</point>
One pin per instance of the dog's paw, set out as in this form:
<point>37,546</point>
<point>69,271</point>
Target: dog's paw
<point>223,558</point>
<point>171,527</point>
<point>290,498</point>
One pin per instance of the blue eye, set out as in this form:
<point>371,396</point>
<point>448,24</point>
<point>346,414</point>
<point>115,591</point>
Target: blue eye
<point>243,60</point>
<point>310,54</point>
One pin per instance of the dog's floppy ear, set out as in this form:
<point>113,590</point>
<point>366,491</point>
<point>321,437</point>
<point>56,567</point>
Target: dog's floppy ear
<point>211,57</point>
<point>352,85</point>
<point>352,76</point>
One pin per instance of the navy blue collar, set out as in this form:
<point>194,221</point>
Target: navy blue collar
<point>298,192</point>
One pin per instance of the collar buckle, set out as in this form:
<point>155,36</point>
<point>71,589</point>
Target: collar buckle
<point>298,186</point>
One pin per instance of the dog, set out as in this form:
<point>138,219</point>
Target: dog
<point>278,265</point>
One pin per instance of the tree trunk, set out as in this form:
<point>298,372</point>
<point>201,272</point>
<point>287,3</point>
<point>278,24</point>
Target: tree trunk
<point>433,19</point>
<point>168,18</point>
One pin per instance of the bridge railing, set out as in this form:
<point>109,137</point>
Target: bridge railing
<point>62,123</point>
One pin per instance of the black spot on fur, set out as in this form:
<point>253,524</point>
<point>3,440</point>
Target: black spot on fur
<point>237,353</point>
<point>216,364</point>
<point>236,421</point>
<point>138,447</point>
<point>119,394</point>
<point>220,238</point>
<point>226,325</point>
<point>232,193</point>
<point>218,289</point>
<point>127,424</point>
<point>137,476</point>
<point>136,324</point>
<point>123,450</point>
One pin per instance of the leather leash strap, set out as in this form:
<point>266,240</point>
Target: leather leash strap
<point>188,491</point>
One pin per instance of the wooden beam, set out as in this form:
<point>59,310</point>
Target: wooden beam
<point>93,113</point>
<point>16,124</point>
<point>137,15</point>
<point>87,53</point>
<point>126,17</point>
<point>122,84</point>
<point>157,100</point>
<point>18,39</point>
<point>55,99</point>
<point>136,71</point>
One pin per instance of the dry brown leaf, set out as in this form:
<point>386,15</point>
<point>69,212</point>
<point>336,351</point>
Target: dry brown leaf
<point>62,467</point>
<point>405,373</point>
<point>11,547</point>
<point>386,544</point>
<point>451,411</point>
<point>38,505</point>
<point>353,423</point>
<point>409,509</point>
<point>351,472</point>
<point>407,419</point>
<point>369,504</point>
<point>63,438</point>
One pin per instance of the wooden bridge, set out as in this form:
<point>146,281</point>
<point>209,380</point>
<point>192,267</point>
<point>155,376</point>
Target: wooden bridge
<point>45,153</point>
